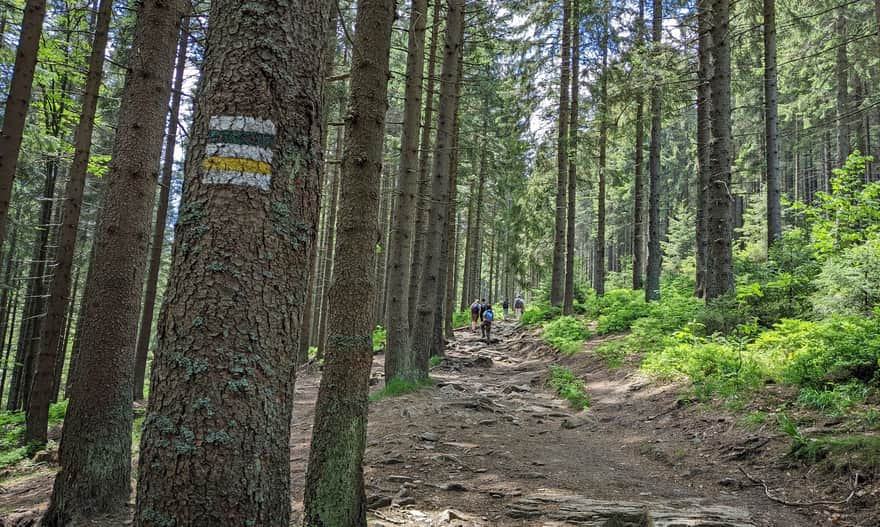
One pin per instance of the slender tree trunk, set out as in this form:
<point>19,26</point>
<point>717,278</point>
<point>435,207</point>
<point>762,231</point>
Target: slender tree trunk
<point>557,282</point>
<point>6,345</point>
<point>719,269</point>
<point>95,475</point>
<point>638,240</point>
<point>441,175</point>
<point>18,102</point>
<point>652,284</point>
<point>423,203</point>
<point>575,29</point>
<point>63,342</point>
<point>239,274</point>
<point>704,135</point>
<point>841,68</point>
<point>330,247</point>
<point>599,262</point>
<point>466,289</point>
<point>51,329</point>
<point>334,482</point>
<point>399,360</point>
<point>774,210</point>
<point>158,241</point>
<point>80,316</point>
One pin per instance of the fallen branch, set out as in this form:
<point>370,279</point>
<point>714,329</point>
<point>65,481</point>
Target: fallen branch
<point>800,503</point>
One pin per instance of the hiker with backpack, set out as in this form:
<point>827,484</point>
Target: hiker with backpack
<point>505,306</point>
<point>486,328</point>
<point>476,308</point>
<point>519,306</point>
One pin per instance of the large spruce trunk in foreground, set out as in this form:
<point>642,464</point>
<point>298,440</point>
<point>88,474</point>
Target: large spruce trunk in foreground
<point>95,475</point>
<point>571,207</point>
<point>215,447</point>
<point>652,283</point>
<point>426,308</point>
<point>334,493</point>
<point>719,268</point>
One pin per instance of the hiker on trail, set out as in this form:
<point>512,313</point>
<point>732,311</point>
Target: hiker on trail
<point>483,307</point>
<point>505,306</point>
<point>476,307</point>
<point>488,316</point>
<point>519,305</point>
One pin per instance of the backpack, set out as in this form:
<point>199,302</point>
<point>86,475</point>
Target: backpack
<point>475,307</point>
<point>488,315</point>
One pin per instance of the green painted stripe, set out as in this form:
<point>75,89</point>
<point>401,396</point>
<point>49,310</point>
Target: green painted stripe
<point>237,137</point>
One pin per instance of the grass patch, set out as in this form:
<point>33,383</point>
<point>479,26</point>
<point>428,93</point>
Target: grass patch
<point>570,388</point>
<point>613,353</point>
<point>843,454</point>
<point>396,386</point>
<point>833,400</point>
<point>435,360</point>
<point>566,334</point>
<point>754,420</point>
<point>461,318</point>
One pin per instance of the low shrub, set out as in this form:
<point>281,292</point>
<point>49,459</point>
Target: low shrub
<point>566,334</point>
<point>397,386</point>
<point>539,313</point>
<point>461,318</point>
<point>570,388</point>
<point>380,336</point>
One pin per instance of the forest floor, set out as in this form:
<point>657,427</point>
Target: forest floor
<point>489,444</point>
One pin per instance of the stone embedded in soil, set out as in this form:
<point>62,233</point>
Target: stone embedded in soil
<point>378,501</point>
<point>577,421</point>
<point>429,436</point>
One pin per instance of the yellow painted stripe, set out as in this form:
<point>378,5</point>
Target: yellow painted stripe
<point>235,164</point>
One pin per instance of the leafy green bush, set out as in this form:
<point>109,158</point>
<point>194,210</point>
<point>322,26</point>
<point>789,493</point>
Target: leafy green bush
<point>849,283</point>
<point>461,318</point>
<point>380,335</point>
<point>833,400</point>
<point>570,388</point>
<point>538,313</point>
<point>566,334</point>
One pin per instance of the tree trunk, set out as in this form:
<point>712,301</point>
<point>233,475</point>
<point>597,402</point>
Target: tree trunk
<point>145,330</point>
<point>65,339</point>
<point>466,290</point>
<point>427,307</point>
<point>42,387</point>
<point>704,135</point>
<point>557,282</point>
<point>841,68</point>
<point>18,102</point>
<point>638,256</point>
<point>8,303</point>
<point>771,129</point>
<point>599,261</point>
<point>575,29</point>
<point>423,203</point>
<point>652,284</point>
<point>399,360</point>
<point>334,492</point>
<point>330,246</point>
<point>95,475</point>
<point>239,274</point>
<point>719,267</point>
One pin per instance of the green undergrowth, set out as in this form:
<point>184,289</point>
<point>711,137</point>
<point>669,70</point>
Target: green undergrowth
<point>396,386</point>
<point>380,336</point>
<point>566,334</point>
<point>12,427</point>
<point>435,360</point>
<point>569,387</point>
<point>850,453</point>
<point>461,318</point>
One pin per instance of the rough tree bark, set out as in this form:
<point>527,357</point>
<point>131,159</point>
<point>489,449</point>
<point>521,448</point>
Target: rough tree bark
<point>18,102</point>
<point>216,437</point>
<point>422,205</point>
<point>574,30</point>
<point>599,262</point>
<point>704,136</point>
<point>158,240</point>
<point>638,245</point>
<point>423,336</point>
<point>557,280</point>
<point>42,387</point>
<point>334,492</point>
<point>652,284</point>
<point>95,475</point>
<point>771,128</point>
<point>841,70</point>
<point>719,269</point>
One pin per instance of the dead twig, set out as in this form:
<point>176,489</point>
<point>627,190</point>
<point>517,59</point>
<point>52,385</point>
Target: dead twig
<point>800,503</point>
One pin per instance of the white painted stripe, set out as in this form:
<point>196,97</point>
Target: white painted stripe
<point>227,177</point>
<point>241,151</point>
<point>242,123</point>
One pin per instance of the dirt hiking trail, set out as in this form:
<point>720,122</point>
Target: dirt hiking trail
<point>490,445</point>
